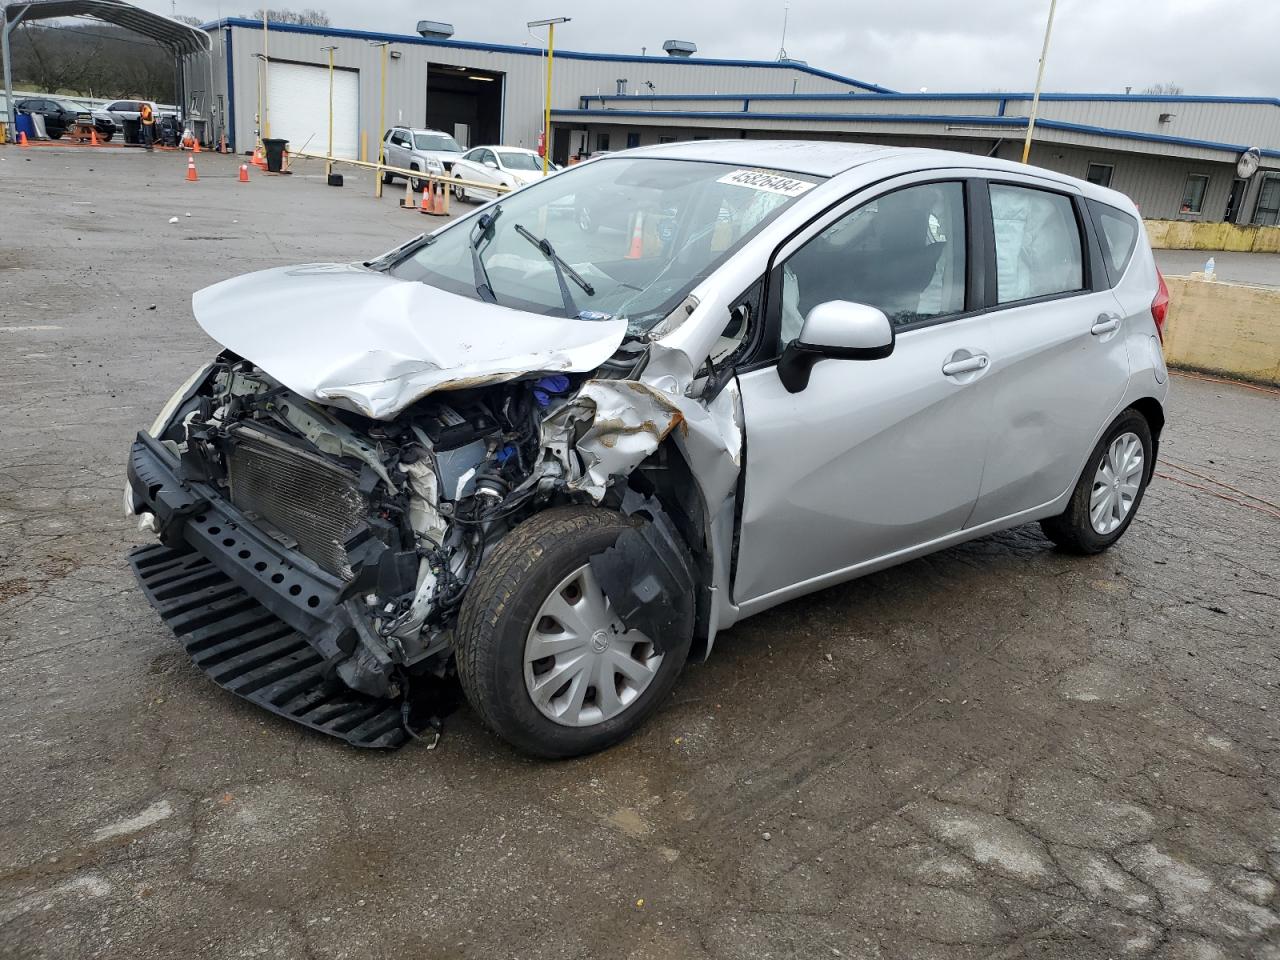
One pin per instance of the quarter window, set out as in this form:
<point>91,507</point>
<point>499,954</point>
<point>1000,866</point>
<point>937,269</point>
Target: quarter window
<point>1193,193</point>
<point>1038,250</point>
<point>1121,234</point>
<point>903,252</point>
<point>1100,173</point>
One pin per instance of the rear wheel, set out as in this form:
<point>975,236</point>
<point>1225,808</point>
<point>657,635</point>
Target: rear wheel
<point>542,657</point>
<point>459,191</point>
<point>1109,490</point>
<point>388,177</point>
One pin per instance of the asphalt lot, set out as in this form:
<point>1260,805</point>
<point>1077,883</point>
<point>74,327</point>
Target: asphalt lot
<point>1259,269</point>
<point>998,751</point>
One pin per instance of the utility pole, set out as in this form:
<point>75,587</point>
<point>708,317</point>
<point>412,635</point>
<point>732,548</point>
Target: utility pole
<point>1035,97</point>
<point>382,117</point>
<point>546,106</point>
<point>328,167</point>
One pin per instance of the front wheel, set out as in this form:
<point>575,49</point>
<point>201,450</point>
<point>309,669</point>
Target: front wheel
<point>459,191</point>
<point>1109,490</point>
<point>542,656</point>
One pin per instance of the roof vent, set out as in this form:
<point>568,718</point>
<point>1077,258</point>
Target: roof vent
<point>680,48</point>
<point>435,30</point>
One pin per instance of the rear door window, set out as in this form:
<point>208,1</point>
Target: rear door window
<point>1039,252</point>
<point>1119,232</point>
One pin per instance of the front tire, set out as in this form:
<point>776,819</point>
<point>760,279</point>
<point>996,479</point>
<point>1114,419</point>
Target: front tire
<point>1108,493</point>
<point>540,656</point>
<point>459,192</point>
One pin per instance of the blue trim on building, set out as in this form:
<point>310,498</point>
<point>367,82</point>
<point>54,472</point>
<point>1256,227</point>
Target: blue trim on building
<point>1001,97</point>
<point>231,92</point>
<point>536,51</point>
<point>991,121</point>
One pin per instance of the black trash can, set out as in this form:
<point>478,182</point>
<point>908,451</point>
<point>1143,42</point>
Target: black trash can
<point>132,131</point>
<point>275,153</point>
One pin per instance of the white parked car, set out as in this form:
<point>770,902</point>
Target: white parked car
<point>502,166</point>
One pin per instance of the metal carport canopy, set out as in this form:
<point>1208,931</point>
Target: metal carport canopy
<point>179,38</point>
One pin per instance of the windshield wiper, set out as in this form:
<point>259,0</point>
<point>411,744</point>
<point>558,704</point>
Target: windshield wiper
<point>484,228</point>
<point>561,268</point>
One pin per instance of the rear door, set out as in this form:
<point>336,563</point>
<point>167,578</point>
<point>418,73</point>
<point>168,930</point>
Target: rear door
<point>1059,363</point>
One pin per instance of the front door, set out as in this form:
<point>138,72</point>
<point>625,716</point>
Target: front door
<point>873,457</point>
<point>1059,363</point>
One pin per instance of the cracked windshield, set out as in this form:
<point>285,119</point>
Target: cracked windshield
<point>614,238</point>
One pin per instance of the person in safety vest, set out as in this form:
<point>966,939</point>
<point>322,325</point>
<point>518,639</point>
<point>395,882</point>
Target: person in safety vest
<point>148,118</point>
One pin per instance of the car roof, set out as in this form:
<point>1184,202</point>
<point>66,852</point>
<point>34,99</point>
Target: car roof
<point>828,158</point>
<point>443,133</point>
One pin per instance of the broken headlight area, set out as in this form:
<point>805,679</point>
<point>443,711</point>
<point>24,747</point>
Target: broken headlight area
<point>357,536</point>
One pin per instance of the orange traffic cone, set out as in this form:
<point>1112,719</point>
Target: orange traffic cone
<point>191,169</point>
<point>259,158</point>
<point>195,145</point>
<point>425,207</point>
<point>93,136</point>
<point>637,238</point>
<point>22,139</point>
<point>244,173</point>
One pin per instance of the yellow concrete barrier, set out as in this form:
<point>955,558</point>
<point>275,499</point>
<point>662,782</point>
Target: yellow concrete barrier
<point>1186,235</point>
<point>1227,328</point>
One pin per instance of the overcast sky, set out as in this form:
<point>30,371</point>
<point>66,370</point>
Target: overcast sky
<point>1206,46</point>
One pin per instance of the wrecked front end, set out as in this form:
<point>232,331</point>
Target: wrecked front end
<point>314,560</point>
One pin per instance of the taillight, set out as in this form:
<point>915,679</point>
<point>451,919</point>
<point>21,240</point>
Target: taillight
<point>1160,305</point>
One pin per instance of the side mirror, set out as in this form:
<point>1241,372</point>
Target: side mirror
<point>836,330</point>
<point>491,164</point>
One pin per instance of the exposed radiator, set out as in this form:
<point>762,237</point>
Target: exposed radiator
<point>304,496</point>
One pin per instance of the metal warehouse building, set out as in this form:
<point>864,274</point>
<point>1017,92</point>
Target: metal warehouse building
<point>1175,156</point>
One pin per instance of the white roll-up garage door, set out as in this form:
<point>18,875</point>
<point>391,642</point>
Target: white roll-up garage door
<point>299,107</point>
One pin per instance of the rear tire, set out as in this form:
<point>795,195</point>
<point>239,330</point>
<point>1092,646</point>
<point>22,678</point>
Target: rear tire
<point>1098,513</point>
<point>459,192</point>
<point>506,601</point>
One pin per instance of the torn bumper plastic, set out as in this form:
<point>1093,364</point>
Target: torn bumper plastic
<point>194,516</point>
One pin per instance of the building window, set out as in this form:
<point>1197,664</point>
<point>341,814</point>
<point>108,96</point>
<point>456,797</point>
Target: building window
<point>602,141</point>
<point>1193,194</point>
<point>1267,210</point>
<point>633,139</point>
<point>1100,173</point>
<point>666,139</point>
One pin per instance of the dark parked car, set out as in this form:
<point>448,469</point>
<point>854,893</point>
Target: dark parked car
<point>62,115</point>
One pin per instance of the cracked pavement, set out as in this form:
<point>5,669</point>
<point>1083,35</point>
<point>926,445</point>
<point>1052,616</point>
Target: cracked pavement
<point>1009,753</point>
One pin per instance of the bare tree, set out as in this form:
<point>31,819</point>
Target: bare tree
<point>306,18</point>
<point>189,20</point>
<point>1167,89</point>
<point>101,60</point>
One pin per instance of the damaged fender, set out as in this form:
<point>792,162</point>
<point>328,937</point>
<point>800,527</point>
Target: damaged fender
<point>626,420</point>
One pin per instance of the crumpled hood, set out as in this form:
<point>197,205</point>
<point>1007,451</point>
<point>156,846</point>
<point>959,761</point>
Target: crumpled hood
<point>351,337</point>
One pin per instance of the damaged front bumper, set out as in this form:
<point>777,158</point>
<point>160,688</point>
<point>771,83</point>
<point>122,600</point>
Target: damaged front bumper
<point>260,618</point>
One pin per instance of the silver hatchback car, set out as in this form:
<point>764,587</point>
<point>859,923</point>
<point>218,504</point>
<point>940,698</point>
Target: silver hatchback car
<point>550,465</point>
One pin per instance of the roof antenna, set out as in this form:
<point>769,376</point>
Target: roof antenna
<point>782,49</point>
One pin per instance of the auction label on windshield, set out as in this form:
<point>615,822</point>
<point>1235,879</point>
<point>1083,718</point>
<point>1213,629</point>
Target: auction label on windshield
<point>769,182</point>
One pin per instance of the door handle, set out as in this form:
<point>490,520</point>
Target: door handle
<point>967,365</point>
<point>1105,323</point>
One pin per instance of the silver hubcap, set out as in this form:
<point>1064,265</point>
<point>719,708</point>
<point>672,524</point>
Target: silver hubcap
<point>1116,484</point>
<point>581,665</point>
